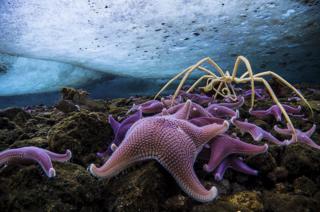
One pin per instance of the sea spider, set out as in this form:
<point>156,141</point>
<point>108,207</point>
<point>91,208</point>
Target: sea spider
<point>225,80</point>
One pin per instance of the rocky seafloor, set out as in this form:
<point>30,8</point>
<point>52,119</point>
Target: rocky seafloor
<point>288,180</point>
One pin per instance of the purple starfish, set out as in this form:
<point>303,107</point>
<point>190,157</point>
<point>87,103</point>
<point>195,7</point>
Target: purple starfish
<point>275,111</point>
<point>35,154</point>
<point>303,137</point>
<point>255,131</point>
<point>259,93</point>
<point>196,110</point>
<point>217,110</point>
<point>234,162</point>
<point>224,145</point>
<point>167,102</point>
<point>149,107</point>
<point>173,142</point>
<point>197,98</point>
<point>202,121</point>
<point>233,105</point>
<point>119,130</point>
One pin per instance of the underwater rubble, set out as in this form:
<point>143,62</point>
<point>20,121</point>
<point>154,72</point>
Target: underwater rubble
<point>288,176</point>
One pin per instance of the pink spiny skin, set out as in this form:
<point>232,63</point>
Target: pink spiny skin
<point>275,111</point>
<point>219,111</point>
<point>119,130</point>
<point>235,163</point>
<point>255,131</point>
<point>224,145</point>
<point>233,105</point>
<point>200,99</point>
<point>303,137</point>
<point>173,142</point>
<point>34,154</point>
<point>149,107</point>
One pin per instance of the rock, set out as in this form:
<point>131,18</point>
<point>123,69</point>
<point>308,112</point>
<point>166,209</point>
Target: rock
<point>288,202</point>
<point>36,141</point>
<point>304,186</point>
<point>143,189</point>
<point>216,205</point>
<point>16,115</point>
<point>67,106</point>
<point>84,133</point>
<point>279,174</point>
<point>26,189</point>
<point>300,159</point>
<point>264,163</point>
<point>246,200</point>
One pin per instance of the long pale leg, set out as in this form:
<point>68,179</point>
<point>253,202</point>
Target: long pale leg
<point>249,70</point>
<point>287,84</point>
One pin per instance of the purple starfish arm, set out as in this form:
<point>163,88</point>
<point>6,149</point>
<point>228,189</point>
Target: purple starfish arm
<point>149,107</point>
<point>196,110</point>
<point>221,111</point>
<point>202,121</point>
<point>224,145</point>
<point>173,142</point>
<point>258,93</point>
<point>233,105</point>
<point>275,111</point>
<point>28,154</point>
<point>120,130</point>
<point>234,162</point>
<point>303,137</point>
<point>167,102</point>
<point>255,131</point>
<point>197,98</point>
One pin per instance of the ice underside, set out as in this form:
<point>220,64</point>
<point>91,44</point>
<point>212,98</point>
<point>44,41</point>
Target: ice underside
<point>47,44</point>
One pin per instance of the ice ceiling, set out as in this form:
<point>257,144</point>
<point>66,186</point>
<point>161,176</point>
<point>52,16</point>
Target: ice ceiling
<point>45,44</point>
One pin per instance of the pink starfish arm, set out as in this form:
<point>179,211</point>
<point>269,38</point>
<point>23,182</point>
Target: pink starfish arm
<point>291,109</point>
<point>169,141</point>
<point>224,145</point>
<point>149,107</point>
<point>274,110</point>
<point>197,98</point>
<point>41,156</point>
<point>196,110</point>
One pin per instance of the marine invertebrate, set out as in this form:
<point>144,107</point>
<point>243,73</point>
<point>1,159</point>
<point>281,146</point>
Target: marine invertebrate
<point>120,130</point>
<point>255,131</point>
<point>149,107</point>
<point>34,154</point>
<point>303,137</point>
<point>224,145</point>
<point>275,111</point>
<point>225,80</point>
<point>173,142</point>
<point>220,111</point>
<point>234,162</point>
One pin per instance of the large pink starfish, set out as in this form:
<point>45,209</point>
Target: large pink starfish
<point>173,142</point>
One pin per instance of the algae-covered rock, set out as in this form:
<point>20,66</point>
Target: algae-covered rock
<point>143,189</point>
<point>24,188</point>
<point>16,115</point>
<point>84,133</point>
<point>288,202</point>
<point>299,160</point>
<point>304,186</point>
<point>246,201</point>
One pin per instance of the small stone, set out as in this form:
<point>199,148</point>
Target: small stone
<point>304,186</point>
<point>246,200</point>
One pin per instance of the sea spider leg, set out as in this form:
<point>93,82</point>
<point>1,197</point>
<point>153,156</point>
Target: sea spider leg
<point>199,80</point>
<point>249,70</point>
<point>207,59</point>
<point>274,98</point>
<point>287,84</point>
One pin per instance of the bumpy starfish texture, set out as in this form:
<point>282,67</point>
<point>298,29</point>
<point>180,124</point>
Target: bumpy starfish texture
<point>120,130</point>
<point>224,145</point>
<point>275,111</point>
<point>303,137</point>
<point>235,163</point>
<point>173,142</point>
<point>255,131</point>
<point>28,154</point>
